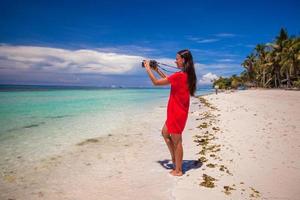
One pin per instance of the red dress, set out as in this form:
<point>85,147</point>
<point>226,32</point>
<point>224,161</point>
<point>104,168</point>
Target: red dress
<point>179,102</point>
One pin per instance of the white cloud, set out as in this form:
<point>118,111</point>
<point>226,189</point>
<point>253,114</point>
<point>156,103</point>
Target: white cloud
<point>207,41</point>
<point>225,35</point>
<point>215,38</point>
<point>41,64</point>
<point>207,78</point>
<point>225,60</point>
<point>46,59</point>
<point>202,40</point>
<point>128,49</point>
<point>193,38</point>
<point>208,72</point>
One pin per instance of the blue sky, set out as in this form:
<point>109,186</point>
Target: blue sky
<point>101,43</point>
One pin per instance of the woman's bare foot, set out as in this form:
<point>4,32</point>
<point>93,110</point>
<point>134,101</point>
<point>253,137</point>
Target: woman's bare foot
<point>174,173</point>
<point>173,162</point>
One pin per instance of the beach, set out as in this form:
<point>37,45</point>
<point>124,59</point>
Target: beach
<point>237,145</point>
<point>250,140</point>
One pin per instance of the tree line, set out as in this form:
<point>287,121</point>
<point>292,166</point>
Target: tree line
<point>270,65</point>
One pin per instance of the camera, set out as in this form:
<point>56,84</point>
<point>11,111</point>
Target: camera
<point>153,64</point>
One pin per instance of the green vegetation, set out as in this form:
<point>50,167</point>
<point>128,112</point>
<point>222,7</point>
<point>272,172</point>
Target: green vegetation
<point>227,83</point>
<point>270,65</point>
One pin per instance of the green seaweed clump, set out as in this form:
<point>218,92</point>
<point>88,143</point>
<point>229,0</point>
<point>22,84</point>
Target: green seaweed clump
<point>203,151</point>
<point>254,193</point>
<point>202,159</point>
<point>227,190</point>
<point>216,128</point>
<point>210,165</point>
<point>205,102</point>
<point>201,141</point>
<point>206,115</point>
<point>203,125</point>
<point>214,148</point>
<point>223,169</point>
<point>208,181</point>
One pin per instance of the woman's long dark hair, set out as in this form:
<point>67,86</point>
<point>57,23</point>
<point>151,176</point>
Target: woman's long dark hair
<point>188,67</point>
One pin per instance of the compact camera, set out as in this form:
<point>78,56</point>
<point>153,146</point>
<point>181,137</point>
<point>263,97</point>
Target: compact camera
<point>153,64</point>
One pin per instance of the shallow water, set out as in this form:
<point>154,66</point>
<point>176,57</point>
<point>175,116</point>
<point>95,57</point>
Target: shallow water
<point>36,122</point>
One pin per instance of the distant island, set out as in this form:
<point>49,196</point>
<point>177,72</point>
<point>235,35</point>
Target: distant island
<point>270,65</point>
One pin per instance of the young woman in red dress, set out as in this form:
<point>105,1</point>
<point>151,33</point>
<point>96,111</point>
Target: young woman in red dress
<point>183,85</point>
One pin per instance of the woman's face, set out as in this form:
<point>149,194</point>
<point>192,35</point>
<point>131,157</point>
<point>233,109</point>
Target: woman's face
<point>179,61</point>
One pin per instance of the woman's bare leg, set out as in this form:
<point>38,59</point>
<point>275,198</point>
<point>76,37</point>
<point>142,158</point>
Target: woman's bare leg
<point>178,150</point>
<point>169,142</point>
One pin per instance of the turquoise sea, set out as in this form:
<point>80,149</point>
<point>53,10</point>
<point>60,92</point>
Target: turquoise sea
<point>37,119</point>
<point>29,107</point>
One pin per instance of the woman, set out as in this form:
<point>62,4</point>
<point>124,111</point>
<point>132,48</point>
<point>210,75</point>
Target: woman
<point>183,84</point>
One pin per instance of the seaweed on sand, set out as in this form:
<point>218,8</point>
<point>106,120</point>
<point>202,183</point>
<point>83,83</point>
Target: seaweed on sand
<point>208,181</point>
<point>203,125</point>
<point>228,189</point>
<point>88,141</point>
<point>210,165</point>
<point>254,193</point>
<point>225,169</point>
<point>222,168</point>
<point>201,141</point>
<point>202,159</point>
<point>215,128</point>
<point>207,115</point>
<point>206,103</point>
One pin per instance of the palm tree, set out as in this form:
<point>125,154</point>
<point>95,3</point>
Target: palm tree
<point>276,64</point>
<point>289,59</point>
<point>249,65</point>
<point>272,64</point>
<point>270,67</point>
<point>295,51</point>
<point>278,48</point>
<point>261,63</point>
<point>283,35</point>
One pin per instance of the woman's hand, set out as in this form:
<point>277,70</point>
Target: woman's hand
<point>147,64</point>
<point>148,67</point>
<point>163,81</point>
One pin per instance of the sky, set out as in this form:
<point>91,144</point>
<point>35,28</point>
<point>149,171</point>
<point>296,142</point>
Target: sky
<point>102,43</point>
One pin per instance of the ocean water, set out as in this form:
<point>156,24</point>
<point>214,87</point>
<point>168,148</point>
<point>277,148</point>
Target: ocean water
<point>37,120</point>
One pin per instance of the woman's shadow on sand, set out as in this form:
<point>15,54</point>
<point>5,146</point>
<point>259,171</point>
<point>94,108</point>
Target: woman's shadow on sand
<point>186,164</point>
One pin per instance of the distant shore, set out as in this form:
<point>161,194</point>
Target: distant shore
<point>237,145</point>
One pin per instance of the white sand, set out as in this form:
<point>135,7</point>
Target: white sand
<point>259,145</point>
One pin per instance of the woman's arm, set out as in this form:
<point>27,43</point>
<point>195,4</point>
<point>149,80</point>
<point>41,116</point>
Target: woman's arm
<point>155,81</point>
<point>163,75</point>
